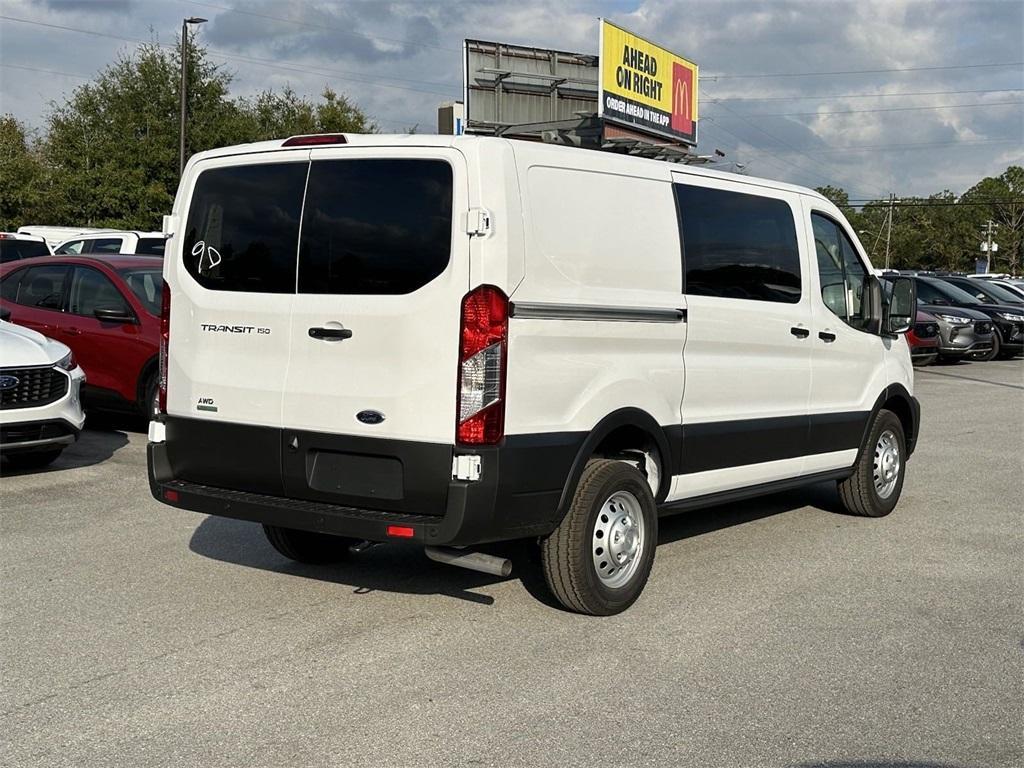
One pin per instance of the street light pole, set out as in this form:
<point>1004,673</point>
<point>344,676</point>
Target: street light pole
<point>183,91</point>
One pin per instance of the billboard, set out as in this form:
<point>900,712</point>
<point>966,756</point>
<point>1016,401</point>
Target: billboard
<point>518,87</point>
<point>645,87</point>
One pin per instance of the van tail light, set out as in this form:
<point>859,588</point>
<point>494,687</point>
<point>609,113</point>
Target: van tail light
<point>483,352</point>
<point>165,339</point>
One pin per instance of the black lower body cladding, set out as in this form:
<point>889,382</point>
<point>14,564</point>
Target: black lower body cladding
<point>358,486</point>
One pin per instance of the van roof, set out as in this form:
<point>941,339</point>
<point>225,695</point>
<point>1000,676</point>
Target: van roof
<point>435,140</point>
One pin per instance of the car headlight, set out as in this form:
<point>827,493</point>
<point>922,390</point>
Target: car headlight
<point>67,362</point>
<point>1013,317</point>
<point>955,319</point>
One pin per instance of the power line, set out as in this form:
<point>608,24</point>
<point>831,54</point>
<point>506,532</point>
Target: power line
<point>348,32</point>
<point>44,71</point>
<point>281,64</point>
<point>861,95</point>
<point>864,111</point>
<point>828,169</point>
<point>896,147</point>
<point>863,71</point>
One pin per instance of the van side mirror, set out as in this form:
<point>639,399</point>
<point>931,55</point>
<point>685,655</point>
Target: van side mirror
<point>900,310</point>
<point>872,304</point>
<point>5,313</point>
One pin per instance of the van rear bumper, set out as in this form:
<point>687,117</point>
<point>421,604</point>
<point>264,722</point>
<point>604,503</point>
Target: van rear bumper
<point>517,495</point>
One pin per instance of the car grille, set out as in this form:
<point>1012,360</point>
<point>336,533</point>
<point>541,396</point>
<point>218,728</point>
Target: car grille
<point>983,327</point>
<point>34,387</point>
<point>926,330</point>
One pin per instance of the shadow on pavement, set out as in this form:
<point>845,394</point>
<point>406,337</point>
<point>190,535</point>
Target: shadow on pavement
<point>385,568</point>
<point>697,522</point>
<point>405,569</point>
<point>94,446</point>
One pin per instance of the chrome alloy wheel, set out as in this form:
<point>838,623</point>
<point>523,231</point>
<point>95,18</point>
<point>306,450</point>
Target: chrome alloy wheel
<point>618,541</point>
<point>886,468</point>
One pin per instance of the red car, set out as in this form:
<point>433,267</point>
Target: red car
<point>106,308</point>
<point>923,338</point>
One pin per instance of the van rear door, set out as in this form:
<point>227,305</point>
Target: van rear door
<point>232,283</point>
<point>369,402</point>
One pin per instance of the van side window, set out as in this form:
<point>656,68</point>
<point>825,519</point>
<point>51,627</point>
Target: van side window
<point>243,227</point>
<point>842,274</point>
<point>375,226</point>
<point>738,246</point>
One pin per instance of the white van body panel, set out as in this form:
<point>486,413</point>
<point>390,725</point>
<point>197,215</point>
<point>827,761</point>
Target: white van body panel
<point>221,375</point>
<point>402,357</point>
<point>600,232</point>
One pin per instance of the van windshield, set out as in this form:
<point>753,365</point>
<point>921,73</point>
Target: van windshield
<point>359,226</point>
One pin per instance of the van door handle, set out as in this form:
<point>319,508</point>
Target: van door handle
<point>330,333</point>
<point>72,332</point>
<point>800,333</point>
<point>826,336</point>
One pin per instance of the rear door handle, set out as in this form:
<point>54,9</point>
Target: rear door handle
<point>72,332</point>
<point>330,333</point>
<point>800,333</point>
<point>826,336</point>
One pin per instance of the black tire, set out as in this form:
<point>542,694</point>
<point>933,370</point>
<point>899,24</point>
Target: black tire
<point>997,346</point>
<point>858,492</point>
<point>307,546</point>
<point>34,459</point>
<point>149,406</point>
<point>568,554</point>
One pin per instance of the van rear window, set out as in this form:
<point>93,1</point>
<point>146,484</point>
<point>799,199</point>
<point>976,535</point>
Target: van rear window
<point>738,246</point>
<point>243,227</point>
<point>375,226</point>
<point>369,226</point>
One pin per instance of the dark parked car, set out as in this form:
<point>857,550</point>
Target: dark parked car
<point>986,291</point>
<point>105,308</point>
<point>940,297</point>
<point>923,338</point>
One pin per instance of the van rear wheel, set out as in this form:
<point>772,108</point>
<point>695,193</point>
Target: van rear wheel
<point>598,560</point>
<point>877,480</point>
<point>307,546</point>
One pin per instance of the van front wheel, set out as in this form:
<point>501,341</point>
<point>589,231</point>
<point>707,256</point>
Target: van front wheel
<point>307,546</point>
<point>598,560</point>
<point>877,480</point>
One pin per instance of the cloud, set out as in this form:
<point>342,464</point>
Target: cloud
<point>398,60</point>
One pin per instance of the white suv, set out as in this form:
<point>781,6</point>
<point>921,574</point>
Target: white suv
<point>142,243</point>
<point>40,403</point>
<point>459,340</point>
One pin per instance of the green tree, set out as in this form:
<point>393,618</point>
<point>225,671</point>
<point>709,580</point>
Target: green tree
<point>110,154</point>
<point>21,173</point>
<point>1001,199</point>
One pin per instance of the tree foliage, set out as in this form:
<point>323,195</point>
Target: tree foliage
<point>943,231</point>
<point>109,155</point>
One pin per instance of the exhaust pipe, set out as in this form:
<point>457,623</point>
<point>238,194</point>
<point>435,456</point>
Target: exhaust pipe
<point>474,561</point>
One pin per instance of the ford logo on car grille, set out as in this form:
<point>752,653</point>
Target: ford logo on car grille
<point>370,417</point>
<point>8,382</point>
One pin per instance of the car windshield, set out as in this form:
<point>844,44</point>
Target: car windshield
<point>999,294</point>
<point>147,284</point>
<point>950,293</point>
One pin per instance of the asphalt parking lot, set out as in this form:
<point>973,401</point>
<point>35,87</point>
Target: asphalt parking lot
<point>776,632</point>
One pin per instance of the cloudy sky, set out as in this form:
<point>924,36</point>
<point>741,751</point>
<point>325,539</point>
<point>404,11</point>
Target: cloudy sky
<point>946,110</point>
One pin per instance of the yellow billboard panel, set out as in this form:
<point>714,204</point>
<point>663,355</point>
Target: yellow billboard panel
<point>646,87</point>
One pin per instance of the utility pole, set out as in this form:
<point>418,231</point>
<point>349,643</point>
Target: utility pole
<point>987,232</point>
<point>183,94</point>
<point>888,227</point>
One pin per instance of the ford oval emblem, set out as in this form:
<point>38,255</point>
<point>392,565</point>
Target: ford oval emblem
<point>10,382</point>
<point>370,417</point>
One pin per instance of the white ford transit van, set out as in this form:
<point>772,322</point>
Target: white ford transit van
<point>460,340</point>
